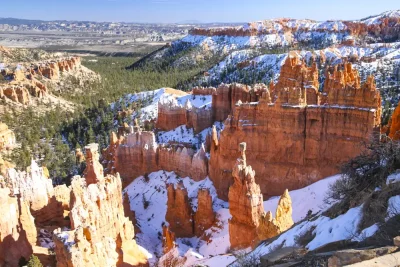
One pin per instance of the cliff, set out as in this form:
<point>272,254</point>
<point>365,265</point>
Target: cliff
<point>393,126</point>
<point>28,80</point>
<point>250,224</point>
<point>17,229</point>
<point>292,143</point>
<point>179,212</point>
<point>138,153</point>
<point>381,26</point>
<point>100,234</point>
<point>47,204</point>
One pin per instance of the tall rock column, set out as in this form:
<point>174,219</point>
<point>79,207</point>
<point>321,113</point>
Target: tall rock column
<point>94,169</point>
<point>250,224</point>
<point>100,233</point>
<point>204,217</point>
<point>245,204</point>
<point>179,212</point>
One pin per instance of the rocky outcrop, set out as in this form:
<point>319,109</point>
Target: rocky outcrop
<point>394,124</point>
<point>384,27</point>
<point>227,95</point>
<point>100,234</point>
<point>179,211</point>
<point>23,80</point>
<point>47,204</point>
<point>138,153</point>
<point>17,229</point>
<point>204,217</point>
<point>7,137</point>
<point>168,240</point>
<point>245,204</point>
<point>291,142</point>
<point>94,169</point>
<point>249,223</point>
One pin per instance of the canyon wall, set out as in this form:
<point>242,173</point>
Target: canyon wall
<point>138,153</point>
<point>100,234</point>
<point>291,143</point>
<point>249,223</point>
<point>47,204</point>
<point>384,27</point>
<point>17,229</point>
<point>26,80</point>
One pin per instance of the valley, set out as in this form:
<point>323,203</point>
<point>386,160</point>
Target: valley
<point>268,143</point>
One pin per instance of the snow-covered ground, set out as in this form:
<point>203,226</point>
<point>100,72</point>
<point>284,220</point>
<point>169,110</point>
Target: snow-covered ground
<point>213,251</point>
<point>150,100</point>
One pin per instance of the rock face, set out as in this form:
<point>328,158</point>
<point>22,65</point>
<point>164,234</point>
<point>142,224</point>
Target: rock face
<point>385,26</point>
<point>94,169</point>
<point>7,137</point>
<point>291,142</point>
<point>179,212</point>
<point>394,124</point>
<point>171,115</point>
<point>23,80</point>
<point>47,204</point>
<point>100,233</point>
<point>204,217</point>
<point>17,229</point>
<point>250,223</point>
<point>245,204</point>
<point>138,153</point>
<point>168,240</point>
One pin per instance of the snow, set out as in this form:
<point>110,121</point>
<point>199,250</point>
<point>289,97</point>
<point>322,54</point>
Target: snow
<point>340,228</point>
<point>182,134</point>
<point>213,251</point>
<point>367,232</point>
<point>393,207</point>
<point>393,178</point>
<point>305,199</point>
<point>151,219</point>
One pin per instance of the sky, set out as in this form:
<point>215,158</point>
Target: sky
<point>171,11</point>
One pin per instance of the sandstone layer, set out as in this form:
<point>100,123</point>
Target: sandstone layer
<point>292,142</point>
<point>138,153</point>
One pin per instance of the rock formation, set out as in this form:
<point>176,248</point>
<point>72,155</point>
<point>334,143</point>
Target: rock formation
<point>204,217</point>
<point>27,80</point>
<point>384,27</point>
<point>17,229</point>
<point>245,204</point>
<point>47,204</point>
<point>179,212</point>
<point>7,137</point>
<point>249,223</point>
<point>394,124</point>
<point>94,169</point>
<point>138,153</point>
<point>168,240</point>
<point>293,142</point>
<point>100,234</point>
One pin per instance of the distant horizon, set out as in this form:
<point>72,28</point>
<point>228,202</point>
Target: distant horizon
<point>187,11</point>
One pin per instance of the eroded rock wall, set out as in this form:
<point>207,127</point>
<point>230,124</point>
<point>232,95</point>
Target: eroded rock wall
<point>100,234</point>
<point>292,144</point>
<point>17,229</point>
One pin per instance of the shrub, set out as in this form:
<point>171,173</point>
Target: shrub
<point>34,262</point>
<point>362,174</point>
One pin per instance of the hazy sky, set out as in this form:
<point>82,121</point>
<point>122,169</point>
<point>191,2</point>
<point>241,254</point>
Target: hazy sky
<point>182,10</point>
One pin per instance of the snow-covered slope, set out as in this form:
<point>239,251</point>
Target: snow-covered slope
<point>213,251</point>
